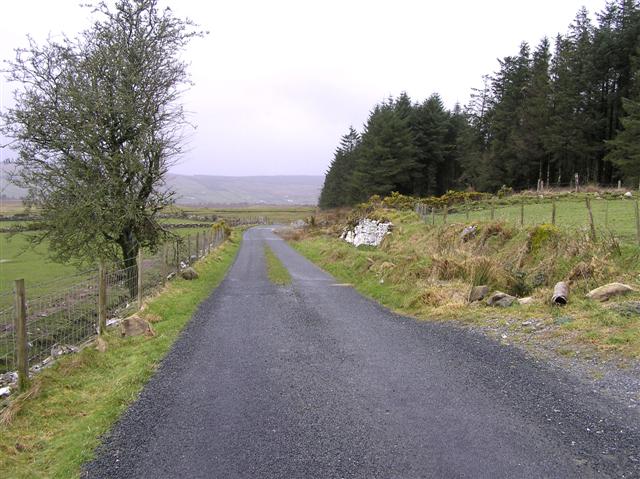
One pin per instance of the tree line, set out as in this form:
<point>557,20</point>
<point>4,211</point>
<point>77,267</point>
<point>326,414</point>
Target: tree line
<point>564,107</point>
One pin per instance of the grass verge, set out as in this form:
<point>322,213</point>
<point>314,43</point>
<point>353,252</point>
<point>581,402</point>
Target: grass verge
<point>77,400</point>
<point>427,272</point>
<point>276,271</point>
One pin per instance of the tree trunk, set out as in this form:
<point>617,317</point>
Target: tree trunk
<point>129,245</point>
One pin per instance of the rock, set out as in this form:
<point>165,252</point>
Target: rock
<point>189,273</point>
<point>8,378</point>
<point>500,299</point>
<point>605,292</point>
<point>478,292</point>
<point>628,194</point>
<point>5,392</point>
<point>61,349</point>
<point>298,224</point>
<point>628,308</point>
<point>136,326</point>
<point>193,258</point>
<point>101,344</point>
<point>468,233</point>
<point>527,300</point>
<point>367,232</point>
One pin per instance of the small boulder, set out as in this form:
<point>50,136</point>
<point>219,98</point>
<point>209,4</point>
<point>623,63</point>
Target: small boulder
<point>5,392</point>
<point>61,349</point>
<point>468,233</point>
<point>101,345</point>
<point>527,300</point>
<point>607,291</point>
<point>136,326</point>
<point>189,273</point>
<point>478,293</point>
<point>500,299</point>
<point>628,194</point>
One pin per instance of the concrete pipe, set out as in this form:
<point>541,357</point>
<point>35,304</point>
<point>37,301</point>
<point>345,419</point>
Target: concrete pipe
<point>560,293</point>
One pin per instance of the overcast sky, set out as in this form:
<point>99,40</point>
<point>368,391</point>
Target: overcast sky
<point>278,82</point>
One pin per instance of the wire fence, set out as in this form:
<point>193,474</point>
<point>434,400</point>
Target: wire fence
<point>58,321</point>
<point>618,216</point>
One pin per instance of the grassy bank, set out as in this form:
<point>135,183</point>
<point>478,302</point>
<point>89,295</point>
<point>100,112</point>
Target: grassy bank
<point>76,401</point>
<point>427,271</point>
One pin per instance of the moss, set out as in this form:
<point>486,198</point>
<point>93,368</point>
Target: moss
<point>542,235</point>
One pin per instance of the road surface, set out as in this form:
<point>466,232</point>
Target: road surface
<point>314,381</point>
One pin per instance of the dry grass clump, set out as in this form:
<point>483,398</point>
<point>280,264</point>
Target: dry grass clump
<point>445,293</point>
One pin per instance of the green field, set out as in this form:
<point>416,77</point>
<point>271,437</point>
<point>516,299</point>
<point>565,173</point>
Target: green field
<point>611,216</point>
<point>19,260</point>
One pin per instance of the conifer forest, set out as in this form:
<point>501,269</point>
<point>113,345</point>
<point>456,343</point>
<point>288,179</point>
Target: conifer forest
<point>568,105</point>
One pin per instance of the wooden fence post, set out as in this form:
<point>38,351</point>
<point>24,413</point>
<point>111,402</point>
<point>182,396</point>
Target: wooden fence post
<point>140,278</point>
<point>638,222</point>
<point>522,213</point>
<point>177,255</point>
<point>20,325</point>
<point>197,244</point>
<point>446,212</point>
<point>606,213</point>
<point>591,223</point>
<point>165,262</point>
<point>102,298</point>
<point>433,216</point>
<point>189,249</point>
<point>493,210</point>
<point>553,211</point>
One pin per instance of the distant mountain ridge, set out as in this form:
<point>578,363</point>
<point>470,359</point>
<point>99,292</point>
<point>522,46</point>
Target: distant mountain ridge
<point>221,190</point>
<point>273,190</point>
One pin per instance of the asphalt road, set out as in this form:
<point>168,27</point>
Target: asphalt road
<point>315,381</point>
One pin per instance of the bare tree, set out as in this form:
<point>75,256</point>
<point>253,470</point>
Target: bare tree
<point>96,124</point>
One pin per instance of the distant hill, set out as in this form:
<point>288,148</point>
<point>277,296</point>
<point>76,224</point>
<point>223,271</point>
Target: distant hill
<point>222,190</point>
<point>273,190</point>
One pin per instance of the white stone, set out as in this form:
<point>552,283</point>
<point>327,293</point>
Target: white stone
<point>628,194</point>
<point>5,391</point>
<point>367,232</point>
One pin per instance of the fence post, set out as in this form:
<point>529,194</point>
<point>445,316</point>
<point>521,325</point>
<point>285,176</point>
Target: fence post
<point>638,222</point>
<point>102,298</point>
<point>197,244</point>
<point>553,211</point>
<point>188,249</point>
<point>433,216</point>
<point>165,262</point>
<point>446,212</point>
<point>591,223</point>
<point>522,213</point>
<point>177,256</point>
<point>606,213</point>
<point>20,325</point>
<point>577,182</point>
<point>140,278</point>
<point>493,210</point>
